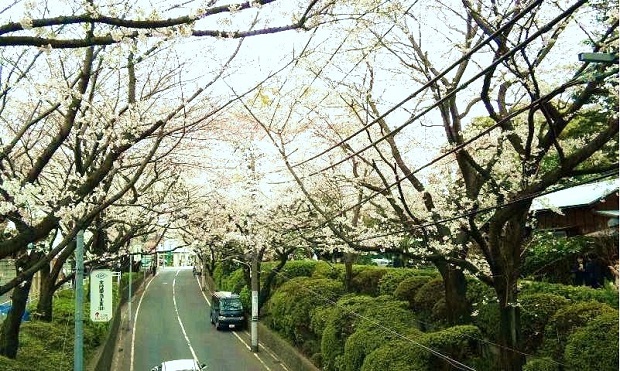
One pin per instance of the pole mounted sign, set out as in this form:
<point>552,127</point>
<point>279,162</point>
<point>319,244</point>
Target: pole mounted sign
<point>101,295</point>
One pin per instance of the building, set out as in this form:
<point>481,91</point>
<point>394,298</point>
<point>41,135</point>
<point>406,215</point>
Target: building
<point>588,209</point>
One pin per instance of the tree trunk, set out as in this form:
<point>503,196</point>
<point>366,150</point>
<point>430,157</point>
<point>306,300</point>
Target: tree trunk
<point>46,295</point>
<point>348,271</point>
<point>9,338</point>
<point>455,287</point>
<point>511,359</point>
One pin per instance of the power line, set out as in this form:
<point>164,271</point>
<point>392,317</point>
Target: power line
<point>466,56</point>
<point>452,93</point>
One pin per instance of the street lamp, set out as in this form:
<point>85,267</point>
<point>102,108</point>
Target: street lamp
<point>254,283</point>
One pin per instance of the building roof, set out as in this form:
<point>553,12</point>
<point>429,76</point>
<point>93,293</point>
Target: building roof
<point>582,195</point>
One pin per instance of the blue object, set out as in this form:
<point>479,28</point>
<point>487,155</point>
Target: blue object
<point>5,308</point>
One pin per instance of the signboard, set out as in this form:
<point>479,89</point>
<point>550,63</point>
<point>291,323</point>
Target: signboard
<point>101,295</point>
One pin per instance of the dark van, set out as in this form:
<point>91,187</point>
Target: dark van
<point>227,311</point>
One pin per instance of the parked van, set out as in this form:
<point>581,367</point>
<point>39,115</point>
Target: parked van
<point>227,311</point>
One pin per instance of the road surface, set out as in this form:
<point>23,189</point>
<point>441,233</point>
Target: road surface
<point>171,321</point>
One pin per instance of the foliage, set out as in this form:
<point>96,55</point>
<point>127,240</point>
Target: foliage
<point>342,321</point>
<point>549,257</point>
<point>390,281</point>
<point>292,306</point>
<point>324,269</point>
<point>43,344</point>
<point>234,282</point>
<point>427,296</point>
<point>366,281</point>
<point>295,268</point>
<point>541,364</point>
<point>536,309</point>
<point>566,321</point>
<point>384,319</point>
<point>407,288</point>
<point>595,346</point>
<point>459,343</point>
<point>574,293</point>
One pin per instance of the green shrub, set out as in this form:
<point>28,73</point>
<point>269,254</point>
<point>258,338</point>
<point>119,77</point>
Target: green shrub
<point>292,305</point>
<point>536,310</point>
<point>390,281</point>
<point>349,314</point>
<point>608,296</point>
<point>293,269</point>
<point>383,322</point>
<point>566,321</point>
<point>234,282</point>
<point>486,318</point>
<point>595,346</point>
<point>541,364</point>
<point>426,297</point>
<point>460,343</point>
<point>479,293</point>
<point>366,281</point>
<point>396,355</point>
<point>407,288</point>
<point>324,269</point>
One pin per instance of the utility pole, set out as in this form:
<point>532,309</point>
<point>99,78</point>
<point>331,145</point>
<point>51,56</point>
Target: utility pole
<point>254,283</point>
<point>78,345</point>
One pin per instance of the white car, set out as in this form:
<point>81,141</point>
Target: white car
<point>180,365</point>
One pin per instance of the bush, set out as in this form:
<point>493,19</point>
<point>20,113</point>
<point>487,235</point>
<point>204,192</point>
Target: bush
<point>234,282</point>
<point>395,355</point>
<point>292,305</point>
<point>293,269</point>
<point>426,297</point>
<point>566,321</point>
<point>486,318</point>
<point>390,281</point>
<point>353,312</point>
<point>460,343</point>
<point>574,293</point>
<point>595,346</point>
<point>541,364</point>
<point>536,310</point>
<point>408,288</point>
<point>383,320</point>
<point>324,269</point>
<point>366,281</point>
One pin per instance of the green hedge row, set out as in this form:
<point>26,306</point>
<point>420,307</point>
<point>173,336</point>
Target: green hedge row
<point>384,323</point>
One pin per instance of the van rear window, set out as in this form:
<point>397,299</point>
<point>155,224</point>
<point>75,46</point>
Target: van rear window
<point>231,304</point>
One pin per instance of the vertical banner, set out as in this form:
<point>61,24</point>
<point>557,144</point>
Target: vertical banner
<point>101,295</point>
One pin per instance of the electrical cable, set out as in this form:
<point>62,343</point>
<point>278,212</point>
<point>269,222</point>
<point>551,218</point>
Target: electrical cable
<point>466,56</point>
<point>452,93</point>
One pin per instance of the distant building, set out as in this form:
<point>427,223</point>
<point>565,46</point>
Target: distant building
<point>589,209</point>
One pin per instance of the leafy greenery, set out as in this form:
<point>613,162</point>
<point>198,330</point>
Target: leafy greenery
<point>594,347</point>
<point>366,281</point>
<point>566,321</point>
<point>574,293</point>
<point>536,309</point>
<point>408,288</point>
<point>390,281</point>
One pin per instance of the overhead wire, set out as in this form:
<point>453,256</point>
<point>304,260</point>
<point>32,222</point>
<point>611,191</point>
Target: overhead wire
<point>427,85</point>
<point>453,92</point>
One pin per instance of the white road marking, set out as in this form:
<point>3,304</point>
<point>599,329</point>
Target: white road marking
<point>176,310</point>
<point>133,329</point>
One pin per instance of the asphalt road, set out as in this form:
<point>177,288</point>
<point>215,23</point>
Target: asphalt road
<point>171,321</point>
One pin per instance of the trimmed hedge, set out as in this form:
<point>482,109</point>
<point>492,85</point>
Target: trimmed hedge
<point>536,309</point>
<point>595,346</point>
<point>541,364</point>
<point>427,296</point>
<point>566,321</point>
<point>366,281</point>
<point>408,288</point>
<point>574,293</point>
<point>383,322</point>
<point>459,343</point>
<point>390,281</point>
<point>291,308</point>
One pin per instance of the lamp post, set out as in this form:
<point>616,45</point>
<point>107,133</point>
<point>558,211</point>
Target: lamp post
<point>254,283</point>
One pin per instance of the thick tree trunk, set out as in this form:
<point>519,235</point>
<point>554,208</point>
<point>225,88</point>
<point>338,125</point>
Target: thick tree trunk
<point>511,358</point>
<point>9,338</point>
<point>348,271</point>
<point>455,287</point>
<point>46,295</point>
